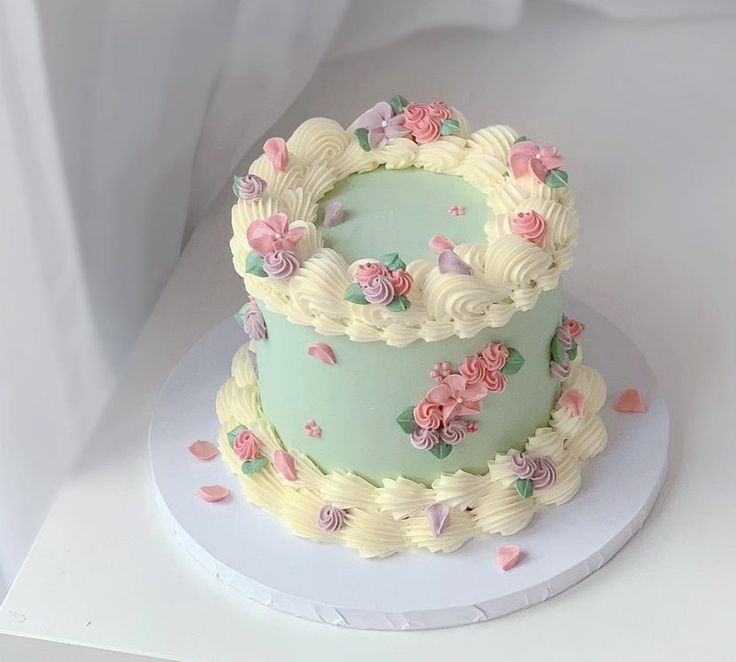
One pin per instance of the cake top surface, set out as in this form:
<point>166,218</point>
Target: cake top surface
<point>403,226</point>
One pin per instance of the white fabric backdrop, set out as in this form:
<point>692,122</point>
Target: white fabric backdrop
<point>119,123</point>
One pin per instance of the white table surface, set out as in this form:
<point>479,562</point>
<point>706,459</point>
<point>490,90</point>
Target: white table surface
<point>644,114</point>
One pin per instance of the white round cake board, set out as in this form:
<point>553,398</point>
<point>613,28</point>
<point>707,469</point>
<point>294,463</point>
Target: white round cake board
<point>255,554</point>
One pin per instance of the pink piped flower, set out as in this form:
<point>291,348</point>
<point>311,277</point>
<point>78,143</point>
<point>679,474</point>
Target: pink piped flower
<point>456,397</point>
<point>473,368</point>
<point>495,356</point>
<point>529,225</point>
<point>402,281</point>
<point>273,234</point>
<point>247,446</point>
<point>424,120</point>
<point>366,272</point>
<point>440,370</point>
<point>312,429</point>
<point>456,210</point>
<point>428,415</point>
<point>576,328</point>
<point>495,381</point>
<point>472,426</point>
<point>526,156</point>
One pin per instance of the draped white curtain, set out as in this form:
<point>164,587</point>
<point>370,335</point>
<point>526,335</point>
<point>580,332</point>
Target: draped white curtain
<point>120,120</point>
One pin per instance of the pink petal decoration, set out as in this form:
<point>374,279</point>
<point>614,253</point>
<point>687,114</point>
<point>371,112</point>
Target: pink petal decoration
<point>213,493</point>
<point>203,450</point>
<point>630,402</point>
<point>573,400</point>
<point>322,352</point>
<point>333,214</point>
<point>275,150</point>
<point>438,515</point>
<point>440,243</point>
<point>508,556</point>
<point>450,263</point>
<point>284,464</point>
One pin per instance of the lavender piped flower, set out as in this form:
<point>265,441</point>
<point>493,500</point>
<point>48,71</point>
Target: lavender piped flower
<point>253,322</point>
<point>423,439</point>
<point>330,519</point>
<point>249,187</point>
<point>560,371</point>
<point>280,264</point>
<point>379,290</point>
<point>381,124</point>
<point>564,336</point>
<point>453,432</point>
<point>545,473</point>
<point>522,465</point>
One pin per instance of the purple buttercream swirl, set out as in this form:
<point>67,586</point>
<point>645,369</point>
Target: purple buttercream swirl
<point>253,322</point>
<point>545,473</point>
<point>249,187</point>
<point>453,432</point>
<point>522,465</point>
<point>560,371</point>
<point>330,519</point>
<point>379,290</point>
<point>280,263</point>
<point>424,439</point>
<point>564,336</point>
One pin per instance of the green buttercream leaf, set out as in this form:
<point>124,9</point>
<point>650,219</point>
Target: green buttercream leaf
<point>241,314</point>
<point>441,450</point>
<point>234,433</point>
<point>406,420</point>
<point>556,178</point>
<point>573,351</point>
<point>520,139</point>
<point>399,304</point>
<point>514,362</point>
<point>392,261</point>
<point>251,466</point>
<point>524,487</point>
<point>254,265</point>
<point>449,127</point>
<point>555,349</point>
<point>354,294</point>
<point>235,186</point>
<point>398,103</point>
<point>362,136</point>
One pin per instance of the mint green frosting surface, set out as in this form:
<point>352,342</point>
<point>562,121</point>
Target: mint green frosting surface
<point>356,401</point>
<point>399,211</point>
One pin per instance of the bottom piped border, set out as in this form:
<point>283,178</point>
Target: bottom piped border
<point>404,515</point>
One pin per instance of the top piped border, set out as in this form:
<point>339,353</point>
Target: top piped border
<point>278,248</point>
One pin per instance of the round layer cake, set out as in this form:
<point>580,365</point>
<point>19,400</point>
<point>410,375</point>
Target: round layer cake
<point>410,380</point>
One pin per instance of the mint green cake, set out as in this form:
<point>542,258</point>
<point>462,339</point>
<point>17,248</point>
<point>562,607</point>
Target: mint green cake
<point>408,379</point>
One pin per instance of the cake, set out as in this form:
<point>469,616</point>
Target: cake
<point>409,379</point>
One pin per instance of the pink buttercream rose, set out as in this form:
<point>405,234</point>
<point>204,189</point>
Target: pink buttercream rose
<point>495,356</point>
<point>428,415</point>
<point>246,445</point>
<point>366,272</point>
<point>576,328</point>
<point>402,281</point>
<point>495,381</point>
<point>457,397</point>
<point>426,131</point>
<point>473,368</point>
<point>439,110</point>
<point>416,112</point>
<point>530,226</point>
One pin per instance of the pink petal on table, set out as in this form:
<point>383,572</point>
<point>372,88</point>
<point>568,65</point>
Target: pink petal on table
<point>276,151</point>
<point>573,400</point>
<point>213,492</point>
<point>284,464</point>
<point>630,402</point>
<point>438,515</point>
<point>440,243</point>
<point>322,352</point>
<point>203,450</point>
<point>450,263</point>
<point>508,556</point>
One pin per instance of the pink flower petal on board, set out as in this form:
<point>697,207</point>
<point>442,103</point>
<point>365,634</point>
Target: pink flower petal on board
<point>440,243</point>
<point>213,493</point>
<point>508,556</point>
<point>284,464</point>
<point>438,516</point>
<point>573,400</point>
<point>203,450</point>
<point>276,151</point>
<point>630,402</point>
<point>323,352</point>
